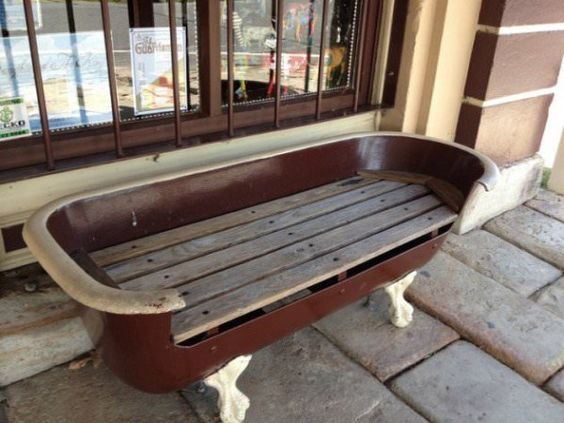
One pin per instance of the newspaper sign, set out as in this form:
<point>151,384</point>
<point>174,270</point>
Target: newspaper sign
<point>14,122</point>
<point>12,16</point>
<point>151,65</point>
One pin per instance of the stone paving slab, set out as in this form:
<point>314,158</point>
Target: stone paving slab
<point>464,384</point>
<point>31,351</point>
<point>532,231</point>
<point>548,202</point>
<point>498,259</point>
<point>515,330</point>
<point>552,298</point>
<point>556,385</point>
<point>305,378</point>
<point>90,395</point>
<point>29,298</point>
<point>365,334</point>
<point>39,327</point>
<point>25,310</point>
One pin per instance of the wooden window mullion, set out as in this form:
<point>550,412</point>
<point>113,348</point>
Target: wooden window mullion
<point>209,46</point>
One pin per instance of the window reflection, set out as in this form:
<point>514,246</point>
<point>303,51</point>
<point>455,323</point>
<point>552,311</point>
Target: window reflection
<point>254,23</point>
<point>71,50</point>
<point>143,58</point>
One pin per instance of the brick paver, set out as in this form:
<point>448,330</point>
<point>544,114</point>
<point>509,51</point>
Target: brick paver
<point>366,335</point>
<point>533,231</point>
<point>498,259</point>
<point>305,378</point>
<point>552,297</point>
<point>549,203</point>
<point>90,395</point>
<point>464,384</point>
<point>515,330</point>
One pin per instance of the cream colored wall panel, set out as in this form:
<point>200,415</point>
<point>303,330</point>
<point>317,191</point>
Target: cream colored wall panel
<point>439,115</point>
<point>436,54</point>
<point>556,181</point>
<point>419,28</point>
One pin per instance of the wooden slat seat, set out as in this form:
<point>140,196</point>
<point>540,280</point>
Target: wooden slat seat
<point>193,247</point>
<point>139,247</point>
<point>230,265</point>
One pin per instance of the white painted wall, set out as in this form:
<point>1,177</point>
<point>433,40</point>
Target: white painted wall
<point>436,54</point>
<point>556,181</point>
<point>555,124</point>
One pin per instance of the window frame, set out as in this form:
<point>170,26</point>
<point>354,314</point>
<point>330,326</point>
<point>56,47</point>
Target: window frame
<point>86,146</point>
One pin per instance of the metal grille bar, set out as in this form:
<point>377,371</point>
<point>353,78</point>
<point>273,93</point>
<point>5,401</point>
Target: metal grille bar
<point>106,25</point>
<point>175,82</point>
<point>320,73</point>
<point>361,32</point>
<point>187,76</point>
<point>36,64</point>
<point>230,65</point>
<point>279,27</point>
<point>311,13</point>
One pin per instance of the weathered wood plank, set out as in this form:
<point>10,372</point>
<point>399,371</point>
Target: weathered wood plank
<point>224,258</point>
<point>209,314</point>
<point>161,240</point>
<point>149,263</point>
<point>222,283</point>
<point>446,191</point>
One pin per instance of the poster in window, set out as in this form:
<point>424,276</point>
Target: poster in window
<point>151,64</point>
<point>12,17</point>
<point>14,122</point>
<point>75,78</point>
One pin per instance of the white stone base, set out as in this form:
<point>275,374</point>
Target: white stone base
<point>517,183</point>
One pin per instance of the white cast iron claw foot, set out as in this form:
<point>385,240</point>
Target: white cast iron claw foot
<point>232,403</point>
<point>401,312</point>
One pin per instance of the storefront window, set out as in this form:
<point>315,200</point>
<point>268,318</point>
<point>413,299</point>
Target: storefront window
<point>78,98</point>
<point>73,60</point>
<point>254,23</point>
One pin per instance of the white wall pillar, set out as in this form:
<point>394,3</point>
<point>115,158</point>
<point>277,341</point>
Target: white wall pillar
<point>437,46</point>
<point>556,181</point>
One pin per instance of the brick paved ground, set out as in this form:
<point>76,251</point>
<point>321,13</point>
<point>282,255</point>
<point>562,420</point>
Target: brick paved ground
<point>486,344</point>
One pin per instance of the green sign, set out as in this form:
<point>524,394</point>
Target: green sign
<point>14,122</point>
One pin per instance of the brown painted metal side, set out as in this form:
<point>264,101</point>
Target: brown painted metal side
<point>139,348</point>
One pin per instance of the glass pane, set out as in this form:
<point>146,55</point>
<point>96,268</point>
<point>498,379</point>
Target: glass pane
<point>254,24</point>
<point>73,59</point>
<point>145,63</point>
<point>16,76</point>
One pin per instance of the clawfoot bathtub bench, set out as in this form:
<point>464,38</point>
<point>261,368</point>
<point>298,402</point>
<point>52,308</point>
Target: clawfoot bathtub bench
<point>182,277</point>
